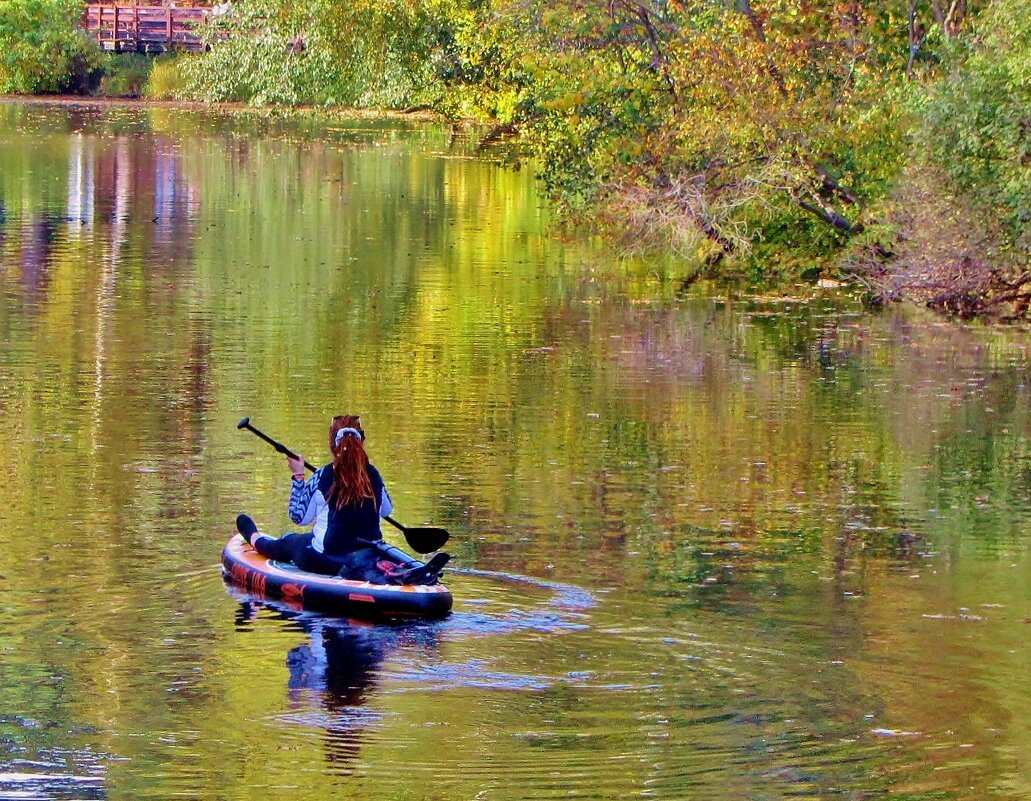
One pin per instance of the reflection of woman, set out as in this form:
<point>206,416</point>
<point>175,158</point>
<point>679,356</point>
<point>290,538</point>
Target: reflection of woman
<point>339,662</point>
<point>339,666</point>
<point>336,671</point>
<point>345,500</point>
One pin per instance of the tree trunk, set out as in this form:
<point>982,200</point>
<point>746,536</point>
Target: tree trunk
<point>830,216</point>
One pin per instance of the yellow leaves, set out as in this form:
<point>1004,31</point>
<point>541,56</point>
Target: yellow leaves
<point>562,103</point>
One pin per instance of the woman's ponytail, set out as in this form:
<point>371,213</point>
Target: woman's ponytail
<point>351,482</point>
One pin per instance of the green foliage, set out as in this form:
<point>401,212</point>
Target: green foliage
<point>42,49</point>
<point>475,55</point>
<point>253,58</point>
<point>166,81</point>
<point>125,74</point>
<point>267,52</point>
<point>711,126</point>
<point>977,123</point>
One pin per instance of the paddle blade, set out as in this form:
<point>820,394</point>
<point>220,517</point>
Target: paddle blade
<point>421,539</point>
<point>426,540</point>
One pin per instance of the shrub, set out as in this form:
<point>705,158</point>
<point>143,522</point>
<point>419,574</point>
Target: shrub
<point>125,75</point>
<point>269,52</point>
<point>976,123</point>
<point>166,81</point>
<point>42,48</point>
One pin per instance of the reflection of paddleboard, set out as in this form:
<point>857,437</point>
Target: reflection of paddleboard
<point>263,577</point>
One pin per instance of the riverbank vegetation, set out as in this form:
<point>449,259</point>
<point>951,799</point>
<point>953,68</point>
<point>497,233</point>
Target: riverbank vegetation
<point>888,143</point>
<point>42,49</point>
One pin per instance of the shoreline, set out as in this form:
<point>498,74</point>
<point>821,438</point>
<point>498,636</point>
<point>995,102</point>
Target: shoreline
<point>332,112</point>
<point>319,117</point>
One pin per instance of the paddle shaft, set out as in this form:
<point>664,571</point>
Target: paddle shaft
<point>432,538</point>
<point>279,446</point>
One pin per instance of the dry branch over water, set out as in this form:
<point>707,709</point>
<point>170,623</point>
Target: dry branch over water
<point>946,257</point>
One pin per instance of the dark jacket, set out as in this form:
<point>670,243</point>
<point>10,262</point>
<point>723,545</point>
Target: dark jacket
<point>338,531</point>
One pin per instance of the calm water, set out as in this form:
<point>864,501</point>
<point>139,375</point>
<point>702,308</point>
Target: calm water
<point>675,519</point>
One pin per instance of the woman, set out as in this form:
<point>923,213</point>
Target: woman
<point>345,499</point>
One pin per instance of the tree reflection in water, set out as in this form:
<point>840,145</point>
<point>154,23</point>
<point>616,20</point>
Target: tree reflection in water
<point>334,675</point>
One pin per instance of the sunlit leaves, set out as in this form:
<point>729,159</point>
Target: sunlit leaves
<point>267,52</point>
<point>748,111</point>
<point>42,49</point>
<point>978,121</point>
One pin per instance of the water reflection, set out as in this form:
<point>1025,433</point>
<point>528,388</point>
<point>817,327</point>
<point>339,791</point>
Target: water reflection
<point>52,774</point>
<point>38,234</point>
<point>123,195</point>
<point>335,674</point>
<point>710,542</point>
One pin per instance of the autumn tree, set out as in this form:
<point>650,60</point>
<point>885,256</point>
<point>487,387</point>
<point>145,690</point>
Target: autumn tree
<point>709,125</point>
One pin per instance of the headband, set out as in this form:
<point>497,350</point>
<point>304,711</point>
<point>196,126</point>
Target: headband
<point>341,432</point>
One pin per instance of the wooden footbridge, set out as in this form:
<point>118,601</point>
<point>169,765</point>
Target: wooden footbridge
<point>144,29</point>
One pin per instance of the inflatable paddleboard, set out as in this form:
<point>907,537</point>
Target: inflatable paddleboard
<point>267,578</point>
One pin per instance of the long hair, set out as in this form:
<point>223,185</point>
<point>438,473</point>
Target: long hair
<point>351,482</point>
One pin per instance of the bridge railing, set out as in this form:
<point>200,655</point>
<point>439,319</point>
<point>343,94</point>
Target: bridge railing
<point>144,29</point>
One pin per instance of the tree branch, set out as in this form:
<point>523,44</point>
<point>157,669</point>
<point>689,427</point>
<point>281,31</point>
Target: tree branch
<point>745,7</point>
<point>830,216</point>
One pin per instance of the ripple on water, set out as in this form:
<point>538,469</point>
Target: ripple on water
<point>405,657</point>
<point>56,774</point>
<point>502,606</point>
<point>698,711</point>
<point>566,596</point>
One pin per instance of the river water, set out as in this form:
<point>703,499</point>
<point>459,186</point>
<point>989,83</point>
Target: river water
<point>704,545</point>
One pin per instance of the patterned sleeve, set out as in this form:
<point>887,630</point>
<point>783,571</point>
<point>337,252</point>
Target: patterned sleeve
<point>303,506</point>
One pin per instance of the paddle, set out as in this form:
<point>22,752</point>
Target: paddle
<point>421,539</point>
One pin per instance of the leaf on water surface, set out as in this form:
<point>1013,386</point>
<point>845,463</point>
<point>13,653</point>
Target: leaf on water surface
<point>894,733</point>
